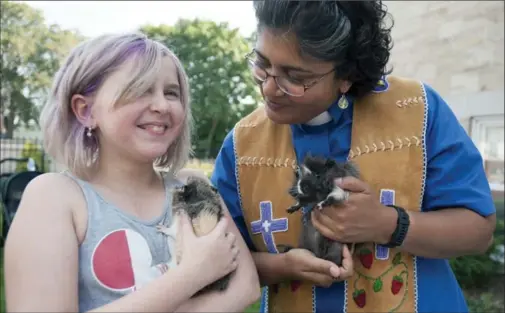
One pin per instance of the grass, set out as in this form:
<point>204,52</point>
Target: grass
<point>255,307</point>
<point>206,167</point>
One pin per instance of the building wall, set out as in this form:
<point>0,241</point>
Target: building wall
<point>455,46</point>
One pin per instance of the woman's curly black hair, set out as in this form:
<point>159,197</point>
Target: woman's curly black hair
<point>353,34</point>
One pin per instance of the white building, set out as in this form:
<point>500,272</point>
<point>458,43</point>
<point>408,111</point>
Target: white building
<point>458,48</point>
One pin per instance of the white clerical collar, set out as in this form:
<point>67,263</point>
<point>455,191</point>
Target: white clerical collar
<point>321,119</point>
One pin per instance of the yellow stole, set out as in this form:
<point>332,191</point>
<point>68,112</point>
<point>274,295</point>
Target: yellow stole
<point>387,145</point>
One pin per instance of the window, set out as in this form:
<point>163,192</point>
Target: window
<point>488,134</point>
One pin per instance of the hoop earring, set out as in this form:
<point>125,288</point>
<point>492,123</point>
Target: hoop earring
<point>343,103</point>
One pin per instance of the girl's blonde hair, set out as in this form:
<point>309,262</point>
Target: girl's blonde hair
<point>83,72</point>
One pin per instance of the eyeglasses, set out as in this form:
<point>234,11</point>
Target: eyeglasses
<point>285,84</point>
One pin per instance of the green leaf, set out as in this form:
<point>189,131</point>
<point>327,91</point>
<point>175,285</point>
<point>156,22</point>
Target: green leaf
<point>377,285</point>
<point>364,251</point>
<point>398,278</point>
<point>397,259</point>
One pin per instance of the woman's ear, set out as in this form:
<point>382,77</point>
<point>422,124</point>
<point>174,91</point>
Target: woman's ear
<point>344,86</point>
<point>81,107</point>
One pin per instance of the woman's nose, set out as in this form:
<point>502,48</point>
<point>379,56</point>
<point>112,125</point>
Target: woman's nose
<point>270,88</point>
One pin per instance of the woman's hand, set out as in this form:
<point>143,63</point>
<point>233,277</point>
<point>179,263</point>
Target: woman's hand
<point>303,265</point>
<point>361,218</point>
<point>210,256</point>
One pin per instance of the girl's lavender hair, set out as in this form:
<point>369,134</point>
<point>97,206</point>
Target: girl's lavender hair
<point>83,72</point>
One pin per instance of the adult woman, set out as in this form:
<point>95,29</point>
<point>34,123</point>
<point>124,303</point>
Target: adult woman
<point>321,66</point>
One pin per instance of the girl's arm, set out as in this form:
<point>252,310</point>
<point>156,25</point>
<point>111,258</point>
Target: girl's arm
<point>243,289</point>
<point>41,258</point>
<point>164,294</point>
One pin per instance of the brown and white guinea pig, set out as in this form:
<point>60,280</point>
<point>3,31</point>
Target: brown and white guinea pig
<point>202,202</point>
<point>314,187</point>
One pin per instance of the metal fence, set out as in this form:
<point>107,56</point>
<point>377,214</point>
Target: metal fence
<point>17,148</point>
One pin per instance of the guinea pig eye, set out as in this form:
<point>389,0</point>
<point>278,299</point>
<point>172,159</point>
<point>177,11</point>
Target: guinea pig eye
<point>304,187</point>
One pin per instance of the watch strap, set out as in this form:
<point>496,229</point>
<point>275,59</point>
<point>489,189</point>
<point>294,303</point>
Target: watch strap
<point>402,227</point>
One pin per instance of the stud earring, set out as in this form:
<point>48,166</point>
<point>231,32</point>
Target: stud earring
<point>89,133</point>
<point>342,102</point>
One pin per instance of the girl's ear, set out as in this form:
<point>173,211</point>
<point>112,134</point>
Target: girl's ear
<point>81,107</point>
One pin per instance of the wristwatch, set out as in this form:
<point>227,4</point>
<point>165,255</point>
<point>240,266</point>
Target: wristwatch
<point>402,227</point>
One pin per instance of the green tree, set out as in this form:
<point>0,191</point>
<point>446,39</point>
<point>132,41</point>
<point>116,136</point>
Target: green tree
<point>222,88</point>
<point>31,54</point>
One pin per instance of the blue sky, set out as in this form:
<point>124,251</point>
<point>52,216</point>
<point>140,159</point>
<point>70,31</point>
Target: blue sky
<point>93,18</point>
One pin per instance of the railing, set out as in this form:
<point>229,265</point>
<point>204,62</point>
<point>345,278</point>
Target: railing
<point>17,148</point>
<point>33,148</point>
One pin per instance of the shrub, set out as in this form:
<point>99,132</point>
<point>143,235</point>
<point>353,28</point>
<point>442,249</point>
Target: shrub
<point>476,271</point>
<point>34,151</point>
<point>500,208</point>
<point>485,302</point>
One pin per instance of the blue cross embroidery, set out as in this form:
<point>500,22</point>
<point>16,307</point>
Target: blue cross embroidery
<point>266,226</point>
<point>387,197</point>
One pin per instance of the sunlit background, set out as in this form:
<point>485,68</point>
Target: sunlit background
<point>455,46</point>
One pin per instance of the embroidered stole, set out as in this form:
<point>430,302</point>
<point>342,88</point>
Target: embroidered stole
<point>388,147</point>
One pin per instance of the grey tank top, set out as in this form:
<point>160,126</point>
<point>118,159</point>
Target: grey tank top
<point>120,253</point>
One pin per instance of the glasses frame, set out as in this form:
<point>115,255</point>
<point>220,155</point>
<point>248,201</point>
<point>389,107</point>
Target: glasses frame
<point>253,64</point>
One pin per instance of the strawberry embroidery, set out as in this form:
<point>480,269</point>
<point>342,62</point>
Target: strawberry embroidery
<point>295,284</point>
<point>359,297</point>
<point>366,257</point>
<point>396,284</point>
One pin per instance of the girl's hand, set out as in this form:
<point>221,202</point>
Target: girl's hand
<point>208,257</point>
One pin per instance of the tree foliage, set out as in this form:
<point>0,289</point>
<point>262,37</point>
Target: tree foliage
<point>31,53</point>
<point>222,88</point>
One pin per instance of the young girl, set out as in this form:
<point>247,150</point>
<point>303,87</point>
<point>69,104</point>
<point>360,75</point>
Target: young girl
<point>87,239</point>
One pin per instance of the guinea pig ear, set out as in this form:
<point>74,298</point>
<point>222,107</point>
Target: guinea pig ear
<point>305,170</point>
<point>330,162</point>
<point>308,157</point>
<point>188,190</point>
